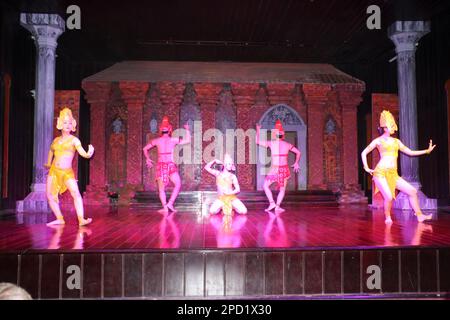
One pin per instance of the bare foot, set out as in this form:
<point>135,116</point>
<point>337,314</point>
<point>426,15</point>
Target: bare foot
<point>164,210</point>
<point>56,222</point>
<point>279,209</point>
<point>271,207</point>
<point>388,220</point>
<point>84,222</point>
<point>422,217</point>
<point>171,208</point>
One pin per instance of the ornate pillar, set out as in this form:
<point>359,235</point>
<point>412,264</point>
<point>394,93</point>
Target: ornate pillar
<point>244,97</point>
<point>45,28</point>
<point>405,35</point>
<point>349,99</point>
<point>97,95</point>
<point>133,94</point>
<point>207,97</point>
<point>316,98</point>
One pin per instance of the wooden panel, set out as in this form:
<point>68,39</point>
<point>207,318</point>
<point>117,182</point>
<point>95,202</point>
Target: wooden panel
<point>293,273</point>
<point>254,274</point>
<point>352,272</point>
<point>370,258</point>
<point>29,274</point>
<point>444,266</point>
<point>8,268</point>
<point>69,276</point>
<point>50,276</point>
<point>173,274</point>
<point>332,272</point>
<point>153,274</point>
<point>215,275</point>
<point>112,276</point>
<point>133,275</point>
<point>313,272</point>
<point>410,275</point>
<point>389,271</point>
<point>428,270</point>
<point>234,274</point>
<point>194,274</point>
<point>92,276</point>
<point>273,273</point>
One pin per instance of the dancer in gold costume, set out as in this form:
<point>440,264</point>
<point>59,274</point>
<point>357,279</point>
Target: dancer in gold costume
<point>61,176</point>
<point>227,200</point>
<point>385,173</point>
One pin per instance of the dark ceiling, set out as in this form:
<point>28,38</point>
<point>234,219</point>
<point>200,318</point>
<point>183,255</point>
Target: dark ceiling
<point>331,31</point>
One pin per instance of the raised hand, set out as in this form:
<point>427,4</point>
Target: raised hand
<point>149,163</point>
<point>431,146</point>
<point>258,126</point>
<point>186,126</point>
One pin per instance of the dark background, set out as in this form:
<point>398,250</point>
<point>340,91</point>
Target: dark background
<point>309,31</point>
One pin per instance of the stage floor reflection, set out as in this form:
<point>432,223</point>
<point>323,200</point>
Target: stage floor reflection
<point>131,229</point>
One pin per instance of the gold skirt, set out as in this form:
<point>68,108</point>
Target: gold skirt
<point>59,178</point>
<point>391,176</point>
<point>227,203</point>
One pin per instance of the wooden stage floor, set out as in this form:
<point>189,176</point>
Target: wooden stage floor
<point>138,229</point>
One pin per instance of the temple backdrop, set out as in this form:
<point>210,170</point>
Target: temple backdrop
<point>17,60</point>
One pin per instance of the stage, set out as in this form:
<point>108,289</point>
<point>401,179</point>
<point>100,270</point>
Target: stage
<point>136,252</point>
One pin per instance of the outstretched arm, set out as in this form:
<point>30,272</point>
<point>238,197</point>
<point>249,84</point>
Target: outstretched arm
<point>81,150</point>
<point>187,137</point>
<point>211,170</point>
<point>263,143</point>
<point>410,152</point>
<point>146,150</point>
<point>364,154</point>
<point>298,154</point>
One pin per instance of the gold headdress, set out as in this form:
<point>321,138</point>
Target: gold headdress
<point>65,112</point>
<point>387,120</point>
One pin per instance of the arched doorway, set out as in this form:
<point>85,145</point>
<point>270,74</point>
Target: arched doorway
<point>296,133</point>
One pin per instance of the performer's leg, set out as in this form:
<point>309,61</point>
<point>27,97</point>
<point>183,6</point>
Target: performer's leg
<point>239,206</point>
<point>53,204</point>
<point>162,196</point>
<point>176,180</point>
<point>269,195</point>
<point>72,186</point>
<point>405,187</point>
<point>216,206</point>
<point>383,186</point>
<point>280,198</point>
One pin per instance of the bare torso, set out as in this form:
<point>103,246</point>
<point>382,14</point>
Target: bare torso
<point>280,151</point>
<point>388,149</point>
<point>165,145</point>
<point>224,181</point>
<point>63,148</point>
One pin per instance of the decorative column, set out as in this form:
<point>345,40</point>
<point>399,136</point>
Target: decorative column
<point>349,99</point>
<point>207,97</point>
<point>316,98</point>
<point>133,94</point>
<point>45,28</point>
<point>244,97</point>
<point>405,35</point>
<point>97,95</point>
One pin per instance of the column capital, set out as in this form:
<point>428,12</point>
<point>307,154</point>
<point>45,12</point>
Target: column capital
<point>405,34</point>
<point>208,93</point>
<point>45,28</point>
